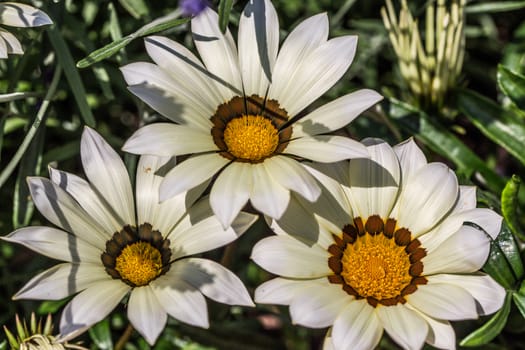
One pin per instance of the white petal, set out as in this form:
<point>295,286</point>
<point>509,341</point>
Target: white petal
<point>201,168</point>
<point>203,236</point>
<point>282,291</point>
<point>258,44</point>
<point>440,333</point>
<point>485,218</point>
<point>218,52</point>
<point>306,229</point>
<point>427,198</point>
<point>61,281</point>
<point>146,314</point>
<point>357,327</point>
<point>3,46</point>
<point>411,158</point>
<point>289,257</point>
<point>108,175</point>
<point>163,216</point>
<point>59,208</point>
<point>165,139</point>
<point>181,301</point>
<point>231,191</point>
<point>9,43</point>
<point>314,74</point>
<point>212,279</point>
<point>465,251</point>
<point>21,15</point>
<point>293,176</point>
<point>443,301</point>
<point>55,244</point>
<point>336,114</point>
<point>374,182</point>
<point>268,196</point>
<point>488,294</point>
<point>90,201</point>
<point>404,326</point>
<point>172,99</point>
<point>318,306</point>
<point>300,43</point>
<point>193,83</point>
<point>467,198</point>
<point>92,305</point>
<point>326,148</point>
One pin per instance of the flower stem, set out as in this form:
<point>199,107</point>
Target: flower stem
<point>34,127</point>
<point>124,337</point>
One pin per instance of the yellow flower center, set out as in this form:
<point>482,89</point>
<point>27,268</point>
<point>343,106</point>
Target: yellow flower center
<point>251,137</point>
<point>250,129</point>
<point>139,263</point>
<point>375,266</point>
<point>377,261</point>
<point>137,256</point>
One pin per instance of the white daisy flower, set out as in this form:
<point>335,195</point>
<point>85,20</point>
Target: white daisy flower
<point>395,244</point>
<point>237,109</point>
<point>18,15</point>
<point>112,247</point>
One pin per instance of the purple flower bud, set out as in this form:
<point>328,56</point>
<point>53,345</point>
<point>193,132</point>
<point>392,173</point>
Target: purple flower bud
<point>192,7</point>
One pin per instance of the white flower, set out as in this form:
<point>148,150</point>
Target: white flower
<point>18,15</point>
<point>112,247</point>
<point>395,244</point>
<point>236,109</point>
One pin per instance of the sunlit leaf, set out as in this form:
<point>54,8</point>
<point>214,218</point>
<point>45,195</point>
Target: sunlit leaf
<point>100,334</point>
<point>492,328</point>
<point>501,126</point>
<point>519,300</point>
<point>509,205</point>
<point>513,85</point>
<point>136,8</point>
<point>156,26</point>
<point>443,142</point>
<point>496,6</point>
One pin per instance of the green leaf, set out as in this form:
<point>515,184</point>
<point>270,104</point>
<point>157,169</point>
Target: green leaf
<point>73,77</point>
<point>519,301</point>
<point>501,126</point>
<point>51,306</point>
<point>101,335</point>
<point>513,85</point>
<point>509,205</point>
<point>497,6</point>
<point>225,7</point>
<point>492,328</point>
<point>504,262</point>
<point>159,25</point>
<point>136,8</point>
<point>443,142</point>
<point>29,166</point>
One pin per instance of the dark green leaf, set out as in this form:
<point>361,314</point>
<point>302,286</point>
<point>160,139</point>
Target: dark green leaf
<point>504,262</point>
<point>501,126</point>
<point>225,7</point>
<point>513,85</point>
<point>73,77</point>
<point>491,329</point>
<point>496,6</point>
<point>443,142</point>
<point>509,205</point>
<point>101,335</point>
